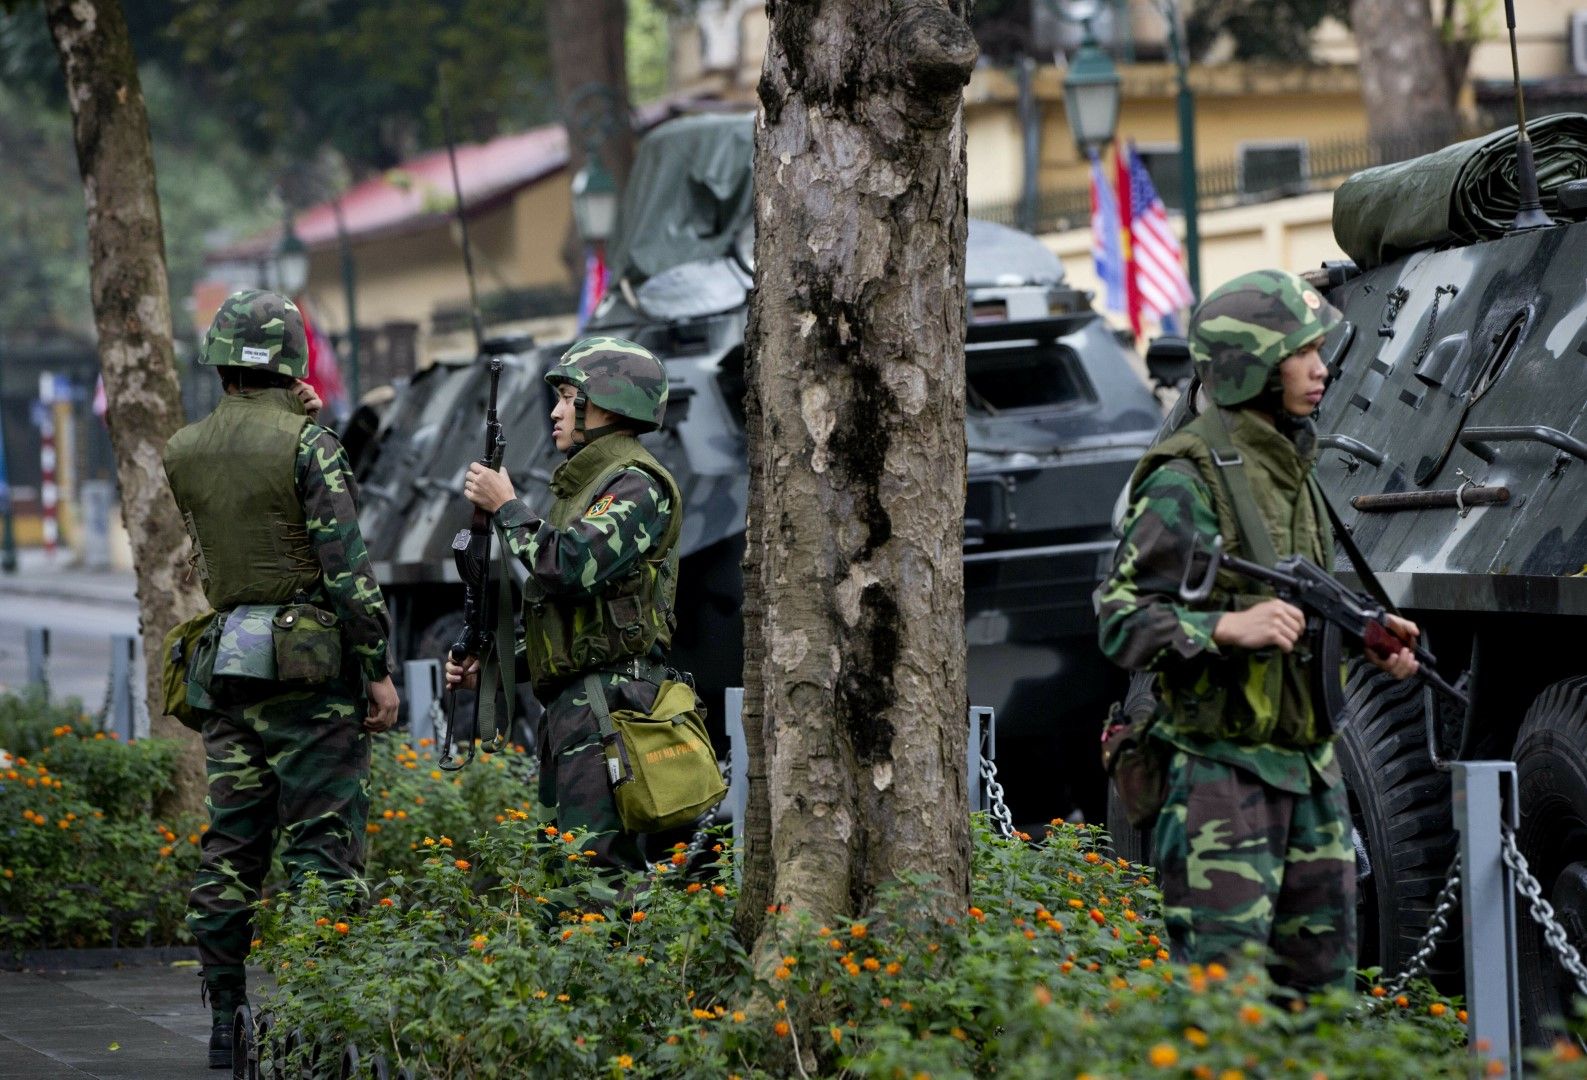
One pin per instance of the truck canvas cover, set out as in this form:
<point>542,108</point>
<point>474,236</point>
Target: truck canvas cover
<point>1461,194</point>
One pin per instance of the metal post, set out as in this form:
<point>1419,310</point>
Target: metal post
<point>8,538</point>
<point>421,682</point>
<point>39,658</point>
<point>1030,131</point>
<point>983,744</point>
<point>1485,799</point>
<point>738,763</point>
<point>349,287</point>
<point>1186,101</point>
<point>123,668</point>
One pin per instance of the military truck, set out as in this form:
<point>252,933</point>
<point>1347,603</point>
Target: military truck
<point>1453,442</point>
<point>1056,417</point>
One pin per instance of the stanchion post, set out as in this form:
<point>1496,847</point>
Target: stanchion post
<point>422,682</point>
<point>1485,801</point>
<point>123,669</point>
<point>982,742</point>
<point>39,658</point>
<point>737,799</point>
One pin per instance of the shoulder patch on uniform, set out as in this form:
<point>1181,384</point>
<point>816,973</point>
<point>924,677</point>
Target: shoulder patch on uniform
<point>599,507</point>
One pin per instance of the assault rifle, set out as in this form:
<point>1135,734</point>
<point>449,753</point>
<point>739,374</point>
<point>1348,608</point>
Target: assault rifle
<point>481,635</point>
<point>1299,581</point>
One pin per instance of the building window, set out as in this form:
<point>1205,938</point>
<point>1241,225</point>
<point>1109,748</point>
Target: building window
<point>1162,165</point>
<point>1270,166</point>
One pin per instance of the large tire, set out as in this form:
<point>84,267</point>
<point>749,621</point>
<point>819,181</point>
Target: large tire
<point>1128,841</point>
<point>1400,805</point>
<point>1551,774</point>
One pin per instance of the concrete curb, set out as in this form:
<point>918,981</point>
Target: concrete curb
<point>97,959</point>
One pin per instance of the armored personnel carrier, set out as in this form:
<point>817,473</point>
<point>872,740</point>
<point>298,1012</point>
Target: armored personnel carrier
<point>1056,419</point>
<point>1453,442</point>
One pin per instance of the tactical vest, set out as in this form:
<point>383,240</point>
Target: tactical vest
<point>234,477</point>
<point>1248,697</point>
<point>567,635</point>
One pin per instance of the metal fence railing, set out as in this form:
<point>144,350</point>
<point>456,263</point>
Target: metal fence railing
<point>1323,164</point>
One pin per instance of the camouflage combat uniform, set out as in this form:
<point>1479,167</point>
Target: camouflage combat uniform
<point>1253,841</point>
<point>269,500</point>
<point>602,568</point>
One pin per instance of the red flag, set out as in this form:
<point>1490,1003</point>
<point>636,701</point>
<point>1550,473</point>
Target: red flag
<point>1132,292</point>
<point>324,375</point>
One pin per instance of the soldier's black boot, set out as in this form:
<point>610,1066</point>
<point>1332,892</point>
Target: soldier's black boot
<point>224,992</point>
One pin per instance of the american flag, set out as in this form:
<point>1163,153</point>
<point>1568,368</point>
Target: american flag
<point>1160,279</point>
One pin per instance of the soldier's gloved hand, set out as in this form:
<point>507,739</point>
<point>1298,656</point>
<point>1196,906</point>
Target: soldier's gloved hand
<point>382,706</point>
<point>464,676</point>
<point>487,488</point>
<point>311,401</point>
<point>1266,625</point>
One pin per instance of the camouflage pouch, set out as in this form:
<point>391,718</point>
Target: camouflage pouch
<point>246,649</point>
<point>176,656</point>
<point>662,767</point>
<point>1136,763</point>
<point>308,644</point>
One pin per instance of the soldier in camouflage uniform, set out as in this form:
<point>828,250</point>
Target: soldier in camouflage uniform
<point>1253,841</point>
<point>268,499</point>
<point>603,570</point>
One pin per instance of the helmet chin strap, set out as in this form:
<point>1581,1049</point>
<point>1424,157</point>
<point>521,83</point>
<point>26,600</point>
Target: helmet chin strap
<point>582,435</point>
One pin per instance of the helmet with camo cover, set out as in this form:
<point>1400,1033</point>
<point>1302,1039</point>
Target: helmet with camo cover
<point>1240,333</point>
<point>621,377</point>
<point>259,330</point>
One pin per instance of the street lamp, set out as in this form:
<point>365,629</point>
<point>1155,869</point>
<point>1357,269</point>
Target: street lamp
<point>1091,95</point>
<point>292,261</point>
<point>1173,14</point>
<point>595,202</point>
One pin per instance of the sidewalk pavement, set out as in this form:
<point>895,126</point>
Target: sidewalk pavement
<point>129,1023</point>
<point>54,577</point>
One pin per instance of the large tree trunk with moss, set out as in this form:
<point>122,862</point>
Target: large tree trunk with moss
<point>857,378</point>
<point>132,315</point>
<point>1406,82</point>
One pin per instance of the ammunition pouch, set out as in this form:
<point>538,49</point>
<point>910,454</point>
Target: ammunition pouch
<point>308,644</point>
<point>176,655</point>
<point>660,763</point>
<point>295,643</point>
<point>1136,763</point>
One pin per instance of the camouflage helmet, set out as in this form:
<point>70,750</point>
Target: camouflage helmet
<point>259,330</point>
<point>1240,333</point>
<point>623,378</point>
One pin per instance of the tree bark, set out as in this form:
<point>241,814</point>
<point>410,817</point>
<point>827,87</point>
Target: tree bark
<point>1406,84</point>
<point>132,314</point>
<point>856,330</point>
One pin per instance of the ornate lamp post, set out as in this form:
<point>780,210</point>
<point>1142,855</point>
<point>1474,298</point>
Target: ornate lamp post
<point>595,202</point>
<point>1091,88</point>
<point>292,261</point>
<point>1173,12</point>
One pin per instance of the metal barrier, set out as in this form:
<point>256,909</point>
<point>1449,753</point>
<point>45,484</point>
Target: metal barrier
<point>422,685</point>
<point>120,716</point>
<point>38,638</point>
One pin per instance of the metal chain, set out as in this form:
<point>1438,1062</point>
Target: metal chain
<point>702,830</point>
<point>1542,911</point>
<point>1437,927</point>
<point>1002,820</point>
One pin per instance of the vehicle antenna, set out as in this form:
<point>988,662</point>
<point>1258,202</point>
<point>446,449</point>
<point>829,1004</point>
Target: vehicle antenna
<point>462,219</point>
<point>1530,213</point>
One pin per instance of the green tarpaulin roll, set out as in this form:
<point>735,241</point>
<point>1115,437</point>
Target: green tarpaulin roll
<point>1458,195</point>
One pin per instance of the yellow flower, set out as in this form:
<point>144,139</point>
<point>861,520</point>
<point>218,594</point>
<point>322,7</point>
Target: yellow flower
<point>563,997</point>
<point>624,1061</point>
<point>1163,1056</point>
<point>1196,1037</point>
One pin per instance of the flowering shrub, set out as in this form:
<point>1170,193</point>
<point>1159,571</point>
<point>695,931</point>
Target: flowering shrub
<point>504,955</point>
<point>84,863</point>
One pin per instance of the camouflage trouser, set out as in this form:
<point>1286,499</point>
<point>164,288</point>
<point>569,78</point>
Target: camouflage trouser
<point>1240,861</point>
<point>573,776</point>
<point>297,763</point>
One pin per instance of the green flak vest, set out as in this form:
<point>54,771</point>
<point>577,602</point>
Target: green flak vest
<point>234,477</point>
<point>568,635</point>
<point>1266,696</point>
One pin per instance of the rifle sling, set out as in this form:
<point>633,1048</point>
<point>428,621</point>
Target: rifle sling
<point>493,672</point>
<point>1254,536</point>
<point>1369,580</point>
<point>618,770</point>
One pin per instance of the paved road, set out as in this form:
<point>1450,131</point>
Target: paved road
<point>80,632</point>
<point>143,1023</point>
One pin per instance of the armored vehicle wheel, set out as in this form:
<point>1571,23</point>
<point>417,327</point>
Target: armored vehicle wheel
<point>1128,841</point>
<point>1400,807</point>
<point>1551,772</point>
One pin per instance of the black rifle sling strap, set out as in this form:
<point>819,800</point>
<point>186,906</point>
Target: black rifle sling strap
<point>1254,535</point>
<point>618,770</point>
<point>1369,580</point>
<point>498,667</point>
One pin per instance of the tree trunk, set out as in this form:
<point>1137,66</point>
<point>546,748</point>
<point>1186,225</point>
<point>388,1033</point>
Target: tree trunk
<point>1405,82</point>
<point>857,333</point>
<point>132,314</point>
